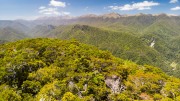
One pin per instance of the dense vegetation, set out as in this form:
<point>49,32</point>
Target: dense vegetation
<point>120,44</point>
<point>51,69</point>
<point>166,43</point>
<point>127,46</point>
<point>127,37</point>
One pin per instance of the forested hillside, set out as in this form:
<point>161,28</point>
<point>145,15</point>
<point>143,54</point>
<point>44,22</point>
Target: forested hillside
<point>141,38</point>
<point>40,30</point>
<point>13,24</point>
<point>52,69</point>
<point>166,41</point>
<point>127,46</point>
<point>120,44</point>
<point>11,34</point>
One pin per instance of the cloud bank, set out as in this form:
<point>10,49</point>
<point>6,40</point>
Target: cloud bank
<point>175,8</point>
<point>57,3</point>
<point>145,5</point>
<point>53,8</point>
<point>173,1</point>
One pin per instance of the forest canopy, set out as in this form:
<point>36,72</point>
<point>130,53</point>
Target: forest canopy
<point>46,69</point>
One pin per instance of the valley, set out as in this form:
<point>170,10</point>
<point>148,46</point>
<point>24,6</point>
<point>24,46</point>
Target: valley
<point>89,50</point>
<point>128,37</point>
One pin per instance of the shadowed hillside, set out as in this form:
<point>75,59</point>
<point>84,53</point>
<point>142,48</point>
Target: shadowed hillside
<point>142,38</point>
<point>11,34</point>
<point>121,44</point>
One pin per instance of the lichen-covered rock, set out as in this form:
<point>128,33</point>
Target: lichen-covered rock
<point>114,82</point>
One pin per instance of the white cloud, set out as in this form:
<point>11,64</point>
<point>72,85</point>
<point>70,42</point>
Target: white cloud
<point>173,1</point>
<point>175,8</point>
<point>52,11</point>
<point>57,3</point>
<point>145,5</point>
<point>42,7</point>
<point>49,11</point>
<point>53,8</point>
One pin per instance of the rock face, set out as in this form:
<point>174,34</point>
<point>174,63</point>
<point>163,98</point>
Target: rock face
<point>114,82</point>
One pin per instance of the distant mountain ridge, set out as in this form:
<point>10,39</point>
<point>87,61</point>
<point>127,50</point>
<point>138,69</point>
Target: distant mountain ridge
<point>10,34</point>
<point>107,15</point>
<point>162,29</point>
<point>13,24</point>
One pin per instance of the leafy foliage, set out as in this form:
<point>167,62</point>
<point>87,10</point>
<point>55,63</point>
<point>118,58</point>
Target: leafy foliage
<point>51,69</point>
<point>120,44</point>
<point>127,37</point>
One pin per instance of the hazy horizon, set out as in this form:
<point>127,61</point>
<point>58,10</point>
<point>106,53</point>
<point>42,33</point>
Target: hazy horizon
<point>29,10</point>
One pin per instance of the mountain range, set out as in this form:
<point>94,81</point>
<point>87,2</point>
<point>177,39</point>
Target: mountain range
<point>142,38</point>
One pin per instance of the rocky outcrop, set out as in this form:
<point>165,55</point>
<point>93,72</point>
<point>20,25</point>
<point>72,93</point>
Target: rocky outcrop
<point>114,82</point>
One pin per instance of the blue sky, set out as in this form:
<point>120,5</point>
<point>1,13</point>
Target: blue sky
<point>30,9</point>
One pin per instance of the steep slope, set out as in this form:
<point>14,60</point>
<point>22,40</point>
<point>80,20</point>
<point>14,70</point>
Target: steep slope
<point>175,63</point>
<point>51,69</point>
<point>165,37</point>
<point>40,30</point>
<point>28,23</point>
<point>13,24</point>
<point>154,33</point>
<point>160,28</point>
<point>121,44</point>
<point>11,34</point>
